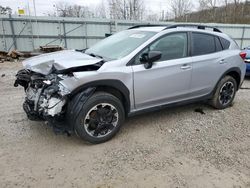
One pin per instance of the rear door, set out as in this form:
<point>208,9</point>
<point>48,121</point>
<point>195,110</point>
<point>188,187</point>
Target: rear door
<point>208,63</point>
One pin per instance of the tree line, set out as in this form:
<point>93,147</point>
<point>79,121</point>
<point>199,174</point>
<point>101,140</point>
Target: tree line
<point>113,9</point>
<point>222,11</point>
<point>226,11</point>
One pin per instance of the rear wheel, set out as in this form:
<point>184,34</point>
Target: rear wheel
<point>100,118</point>
<point>225,93</point>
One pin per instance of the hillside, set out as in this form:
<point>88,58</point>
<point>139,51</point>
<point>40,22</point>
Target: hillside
<point>232,13</point>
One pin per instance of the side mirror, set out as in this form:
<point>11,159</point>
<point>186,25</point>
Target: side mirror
<point>148,58</point>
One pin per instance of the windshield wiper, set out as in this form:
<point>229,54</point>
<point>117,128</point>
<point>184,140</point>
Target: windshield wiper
<point>95,55</point>
<point>105,59</point>
<point>81,50</point>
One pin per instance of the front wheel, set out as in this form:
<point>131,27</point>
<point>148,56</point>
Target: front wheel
<point>100,118</point>
<point>225,93</point>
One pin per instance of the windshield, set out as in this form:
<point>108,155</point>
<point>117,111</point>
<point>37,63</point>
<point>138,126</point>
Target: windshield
<point>120,44</point>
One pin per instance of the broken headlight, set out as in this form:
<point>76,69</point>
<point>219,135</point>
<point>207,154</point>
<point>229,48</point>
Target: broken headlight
<point>63,90</point>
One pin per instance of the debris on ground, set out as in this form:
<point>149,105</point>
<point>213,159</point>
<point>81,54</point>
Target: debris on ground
<point>3,56</point>
<point>245,88</point>
<point>50,48</point>
<point>16,55</point>
<point>199,110</point>
<point>3,75</point>
<point>3,53</point>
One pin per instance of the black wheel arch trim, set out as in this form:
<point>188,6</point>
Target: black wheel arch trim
<point>75,105</point>
<point>233,69</point>
<point>112,83</point>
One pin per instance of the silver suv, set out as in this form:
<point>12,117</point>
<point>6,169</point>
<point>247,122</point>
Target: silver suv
<point>91,92</point>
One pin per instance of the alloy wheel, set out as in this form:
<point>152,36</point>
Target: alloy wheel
<point>101,120</point>
<point>226,93</point>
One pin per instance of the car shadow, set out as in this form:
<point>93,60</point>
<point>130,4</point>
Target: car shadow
<point>148,118</point>
<point>134,123</point>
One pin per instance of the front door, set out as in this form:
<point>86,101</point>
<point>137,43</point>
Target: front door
<point>168,80</point>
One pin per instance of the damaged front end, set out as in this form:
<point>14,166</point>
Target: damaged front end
<point>45,96</point>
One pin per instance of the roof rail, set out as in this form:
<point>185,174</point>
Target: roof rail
<point>177,25</point>
<point>193,25</point>
<point>147,25</point>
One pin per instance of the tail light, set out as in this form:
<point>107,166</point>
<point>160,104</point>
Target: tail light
<point>243,55</point>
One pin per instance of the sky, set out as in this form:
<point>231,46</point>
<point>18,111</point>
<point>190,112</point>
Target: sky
<point>43,7</point>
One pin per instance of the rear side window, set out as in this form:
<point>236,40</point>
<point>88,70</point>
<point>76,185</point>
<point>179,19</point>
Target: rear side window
<point>225,43</point>
<point>218,45</point>
<point>202,44</point>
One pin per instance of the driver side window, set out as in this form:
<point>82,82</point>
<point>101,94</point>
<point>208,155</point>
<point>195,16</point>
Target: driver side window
<point>172,46</point>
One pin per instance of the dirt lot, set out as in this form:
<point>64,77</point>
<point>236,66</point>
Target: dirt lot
<point>171,148</point>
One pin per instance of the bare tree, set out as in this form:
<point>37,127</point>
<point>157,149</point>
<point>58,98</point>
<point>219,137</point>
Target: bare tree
<point>115,9</point>
<point>136,9</point>
<point>226,14</point>
<point>203,5</point>
<point>100,11</point>
<point>5,10</point>
<point>210,5</point>
<point>180,7</point>
<point>61,9</point>
<point>65,10</point>
<point>126,9</point>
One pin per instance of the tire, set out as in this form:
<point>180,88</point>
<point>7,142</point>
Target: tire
<point>220,95</point>
<point>91,124</point>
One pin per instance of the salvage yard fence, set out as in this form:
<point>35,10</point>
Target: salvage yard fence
<point>27,33</point>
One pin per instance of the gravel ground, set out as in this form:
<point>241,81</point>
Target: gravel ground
<point>175,147</point>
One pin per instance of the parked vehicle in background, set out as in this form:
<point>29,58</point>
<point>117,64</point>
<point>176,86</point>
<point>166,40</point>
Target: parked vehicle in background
<point>247,60</point>
<point>140,69</point>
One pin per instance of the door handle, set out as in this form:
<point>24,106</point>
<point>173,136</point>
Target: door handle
<point>185,67</point>
<point>222,61</point>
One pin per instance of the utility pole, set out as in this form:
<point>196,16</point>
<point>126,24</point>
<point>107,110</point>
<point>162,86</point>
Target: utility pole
<point>34,5</point>
<point>29,8</point>
<point>124,10</point>
<point>112,10</point>
<point>162,15</point>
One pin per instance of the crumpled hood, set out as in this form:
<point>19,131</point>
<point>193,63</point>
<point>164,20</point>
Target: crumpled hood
<point>61,60</point>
